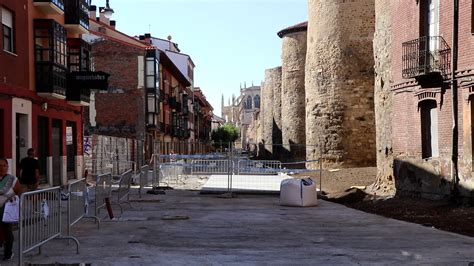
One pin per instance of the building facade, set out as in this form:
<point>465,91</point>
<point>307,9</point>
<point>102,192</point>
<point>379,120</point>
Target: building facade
<point>241,112</point>
<point>432,92</point>
<point>152,83</point>
<point>42,95</point>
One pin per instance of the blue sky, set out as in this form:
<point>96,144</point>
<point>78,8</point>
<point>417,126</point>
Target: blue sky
<point>230,41</point>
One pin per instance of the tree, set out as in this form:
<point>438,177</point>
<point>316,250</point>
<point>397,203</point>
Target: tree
<point>224,135</point>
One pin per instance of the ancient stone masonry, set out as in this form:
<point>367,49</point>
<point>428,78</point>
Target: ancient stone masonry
<point>273,76</point>
<point>293,91</point>
<point>383,97</point>
<point>339,83</point>
<point>267,111</point>
<point>271,109</point>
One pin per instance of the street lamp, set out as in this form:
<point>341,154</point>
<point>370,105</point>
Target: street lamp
<point>107,11</point>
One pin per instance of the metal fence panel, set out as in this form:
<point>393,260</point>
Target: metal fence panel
<point>210,167</point>
<point>258,167</point>
<point>40,219</point>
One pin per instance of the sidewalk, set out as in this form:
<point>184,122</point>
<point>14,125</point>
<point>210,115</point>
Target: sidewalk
<point>251,230</point>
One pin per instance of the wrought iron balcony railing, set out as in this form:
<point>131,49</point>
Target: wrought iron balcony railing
<point>77,13</point>
<point>425,56</point>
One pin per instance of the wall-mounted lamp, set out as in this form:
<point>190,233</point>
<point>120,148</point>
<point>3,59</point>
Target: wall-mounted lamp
<point>107,11</point>
<point>44,106</point>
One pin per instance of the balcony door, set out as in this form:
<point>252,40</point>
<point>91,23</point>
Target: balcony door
<point>430,23</point>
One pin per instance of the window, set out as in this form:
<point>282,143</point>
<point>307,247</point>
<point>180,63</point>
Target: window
<point>257,101</point>
<point>50,55</point>
<point>429,129</point>
<point>248,103</point>
<point>7,29</point>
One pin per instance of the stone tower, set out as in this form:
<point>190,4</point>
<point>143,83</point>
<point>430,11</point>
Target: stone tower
<point>270,109</point>
<point>340,83</point>
<point>385,183</point>
<point>293,91</point>
<point>267,118</point>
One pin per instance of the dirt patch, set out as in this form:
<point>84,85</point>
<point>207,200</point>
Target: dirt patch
<point>345,186</point>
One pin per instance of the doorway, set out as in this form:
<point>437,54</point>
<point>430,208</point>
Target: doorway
<point>71,149</point>
<point>57,151</point>
<point>43,146</point>
<point>21,138</point>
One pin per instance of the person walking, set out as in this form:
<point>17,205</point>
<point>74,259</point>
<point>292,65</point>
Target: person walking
<point>9,187</point>
<point>29,175</point>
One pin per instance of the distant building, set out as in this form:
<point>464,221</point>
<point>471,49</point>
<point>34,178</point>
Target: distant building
<point>241,112</point>
<point>217,121</point>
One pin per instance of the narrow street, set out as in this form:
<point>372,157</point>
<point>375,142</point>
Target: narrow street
<point>186,228</point>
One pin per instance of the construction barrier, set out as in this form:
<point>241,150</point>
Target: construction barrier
<point>260,167</point>
<point>78,204</point>
<point>115,167</point>
<point>121,189</point>
<point>40,220</point>
<point>144,179</point>
<point>103,190</point>
<point>204,167</point>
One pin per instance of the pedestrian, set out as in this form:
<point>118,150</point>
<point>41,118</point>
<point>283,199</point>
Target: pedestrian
<point>173,158</point>
<point>9,187</point>
<point>29,175</point>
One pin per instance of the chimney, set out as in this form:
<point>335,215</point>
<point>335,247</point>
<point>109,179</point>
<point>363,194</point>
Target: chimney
<point>148,38</point>
<point>100,14</point>
<point>92,11</point>
<point>113,23</point>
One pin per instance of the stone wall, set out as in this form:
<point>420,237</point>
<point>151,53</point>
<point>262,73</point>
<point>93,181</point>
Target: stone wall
<point>267,114</point>
<point>271,109</point>
<point>340,83</point>
<point>383,97</point>
<point>274,77</point>
<point>293,95</point>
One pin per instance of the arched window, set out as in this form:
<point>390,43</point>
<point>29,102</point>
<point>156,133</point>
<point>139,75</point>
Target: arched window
<point>249,102</point>
<point>256,101</point>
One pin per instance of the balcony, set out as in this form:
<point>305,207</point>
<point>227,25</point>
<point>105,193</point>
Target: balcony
<point>50,6</point>
<point>427,59</point>
<point>78,96</point>
<point>76,16</point>
<point>50,59</point>
<point>50,80</point>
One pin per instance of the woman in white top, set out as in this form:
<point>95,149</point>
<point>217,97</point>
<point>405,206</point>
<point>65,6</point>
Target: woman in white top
<point>9,187</point>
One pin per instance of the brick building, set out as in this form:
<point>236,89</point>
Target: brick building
<point>432,89</point>
<point>41,97</point>
<point>151,96</point>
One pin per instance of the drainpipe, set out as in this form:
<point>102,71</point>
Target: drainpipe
<point>454,88</point>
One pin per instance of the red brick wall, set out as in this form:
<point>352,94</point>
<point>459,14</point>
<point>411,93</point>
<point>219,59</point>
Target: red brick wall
<point>13,70</point>
<point>120,112</point>
<point>406,122</point>
<point>466,39</point>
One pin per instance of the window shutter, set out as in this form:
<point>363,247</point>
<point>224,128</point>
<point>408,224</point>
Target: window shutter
<point>7,18</point>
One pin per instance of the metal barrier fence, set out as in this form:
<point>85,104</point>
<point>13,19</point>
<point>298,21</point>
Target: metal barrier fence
<point>261,167</point>
<point>144,179</point>
<point>78,204</point>
<point>226,172</point>
<point>40,220</point>
<point>123,190</point>
<point>210,167</point>
<point>103,190</point>
<point>115,167</point>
